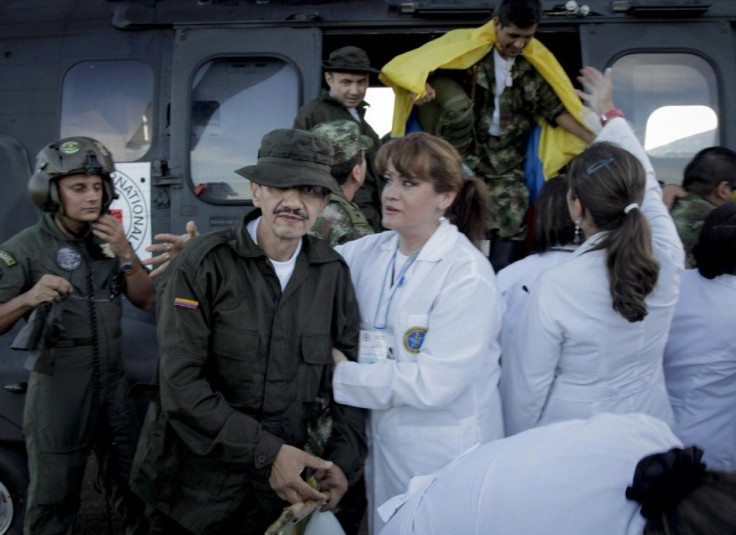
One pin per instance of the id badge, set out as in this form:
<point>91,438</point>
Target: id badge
<point>375,346</point>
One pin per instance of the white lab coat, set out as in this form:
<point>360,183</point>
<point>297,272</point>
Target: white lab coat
<point>430,406</point>
<point>567,478</point>
<point>573,356</point>
<point>516,280</point>
<point>700,367</point>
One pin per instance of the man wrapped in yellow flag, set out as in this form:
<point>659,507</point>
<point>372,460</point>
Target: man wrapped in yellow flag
<point>515,83</point>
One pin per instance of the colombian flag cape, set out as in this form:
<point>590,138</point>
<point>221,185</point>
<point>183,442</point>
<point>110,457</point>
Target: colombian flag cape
<point>461,49</point>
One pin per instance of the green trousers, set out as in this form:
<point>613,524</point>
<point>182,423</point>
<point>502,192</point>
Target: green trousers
<point>68,416</point>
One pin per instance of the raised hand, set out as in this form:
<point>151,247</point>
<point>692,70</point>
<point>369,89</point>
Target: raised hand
<point>168,248</point>
<point>597,90</point>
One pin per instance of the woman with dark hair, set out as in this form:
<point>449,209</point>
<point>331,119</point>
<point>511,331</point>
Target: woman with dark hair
<point>700,355</point>
<point>573,478</point>
<point>592,336</point>
<point>554,240</point>
<point>428,365</point>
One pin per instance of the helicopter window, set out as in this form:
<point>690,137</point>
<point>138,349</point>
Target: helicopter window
<point>381,110</point>
<point>110,101</point>
<point>235,101</point>
<point>672,100</point>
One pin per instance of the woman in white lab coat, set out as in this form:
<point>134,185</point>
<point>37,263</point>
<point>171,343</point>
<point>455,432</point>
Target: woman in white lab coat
<point>429,356</point>
<point>572,478</point>
<point>555,237</point>
<point>700,356</point>
<point>592,336</point>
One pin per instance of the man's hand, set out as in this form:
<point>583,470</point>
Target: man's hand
<point>48,289</point>
<point>597,90</point>
<point>334,480</point>
<point>109,229</point>
<point>285,475</point>
<point>338,356</point>
<point>169,248</point>
<point>428,95</point>
<point>672,192</point>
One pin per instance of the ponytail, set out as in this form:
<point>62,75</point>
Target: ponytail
<point>632,269</point>
<point>610,182</point>
<point>469,210</point>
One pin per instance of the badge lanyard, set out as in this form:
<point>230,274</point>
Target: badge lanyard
<point>399,283</point>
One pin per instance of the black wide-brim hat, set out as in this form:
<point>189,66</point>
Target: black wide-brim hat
<point>350,59</point>
<point>291,158</point>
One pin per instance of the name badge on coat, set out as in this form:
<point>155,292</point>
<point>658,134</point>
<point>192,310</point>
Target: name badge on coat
<point>375,346</point>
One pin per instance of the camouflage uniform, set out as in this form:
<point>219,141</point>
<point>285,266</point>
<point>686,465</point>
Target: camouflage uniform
<point>689,215</point>
<point>499,160</point>
<point>341,222</point>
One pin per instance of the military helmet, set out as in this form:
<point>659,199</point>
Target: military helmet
<point>345,137</point>
<point>70,156</point>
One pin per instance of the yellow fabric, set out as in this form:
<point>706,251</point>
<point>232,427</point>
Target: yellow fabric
<point>557,147</point>
<point>461,49</point>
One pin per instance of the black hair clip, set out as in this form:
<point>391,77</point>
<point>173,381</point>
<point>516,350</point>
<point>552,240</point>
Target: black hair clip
<point>599,165</point>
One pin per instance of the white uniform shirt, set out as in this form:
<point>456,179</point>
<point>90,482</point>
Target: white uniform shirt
<point>700,367</point>
<point>567,478</point>
<point>431,405</point>
<point>573,355</point>
<point>516,280</point>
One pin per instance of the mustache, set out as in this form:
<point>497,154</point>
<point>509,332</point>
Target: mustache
<point>295,213</point>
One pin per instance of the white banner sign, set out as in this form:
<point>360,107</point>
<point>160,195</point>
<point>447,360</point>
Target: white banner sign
<point>133,205</point>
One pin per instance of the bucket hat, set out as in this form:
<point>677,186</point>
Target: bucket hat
<point>349,59</point>
<point>290,158</point>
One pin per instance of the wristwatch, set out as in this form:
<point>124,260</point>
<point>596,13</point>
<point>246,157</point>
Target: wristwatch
<point>610,114</point>
<point>128,268</point>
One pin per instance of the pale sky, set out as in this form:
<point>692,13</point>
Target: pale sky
<point>381,111</point>
<point>670,123</point>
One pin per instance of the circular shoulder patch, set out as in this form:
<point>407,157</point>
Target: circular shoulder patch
<point>69,147</point>
<point>68,259</point>
<point>413,339</point>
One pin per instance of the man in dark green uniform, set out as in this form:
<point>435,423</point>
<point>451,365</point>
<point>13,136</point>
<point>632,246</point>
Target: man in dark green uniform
<point>247,323</point>
<point>342,220</point>
<point>347,72</point>
<point>65,275</point>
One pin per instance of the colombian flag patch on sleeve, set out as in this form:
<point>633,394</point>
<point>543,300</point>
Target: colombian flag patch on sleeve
<point>186,303</point>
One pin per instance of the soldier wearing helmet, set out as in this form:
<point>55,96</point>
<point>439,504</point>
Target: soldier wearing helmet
<point>65,276</point>
<point>70,156</point>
